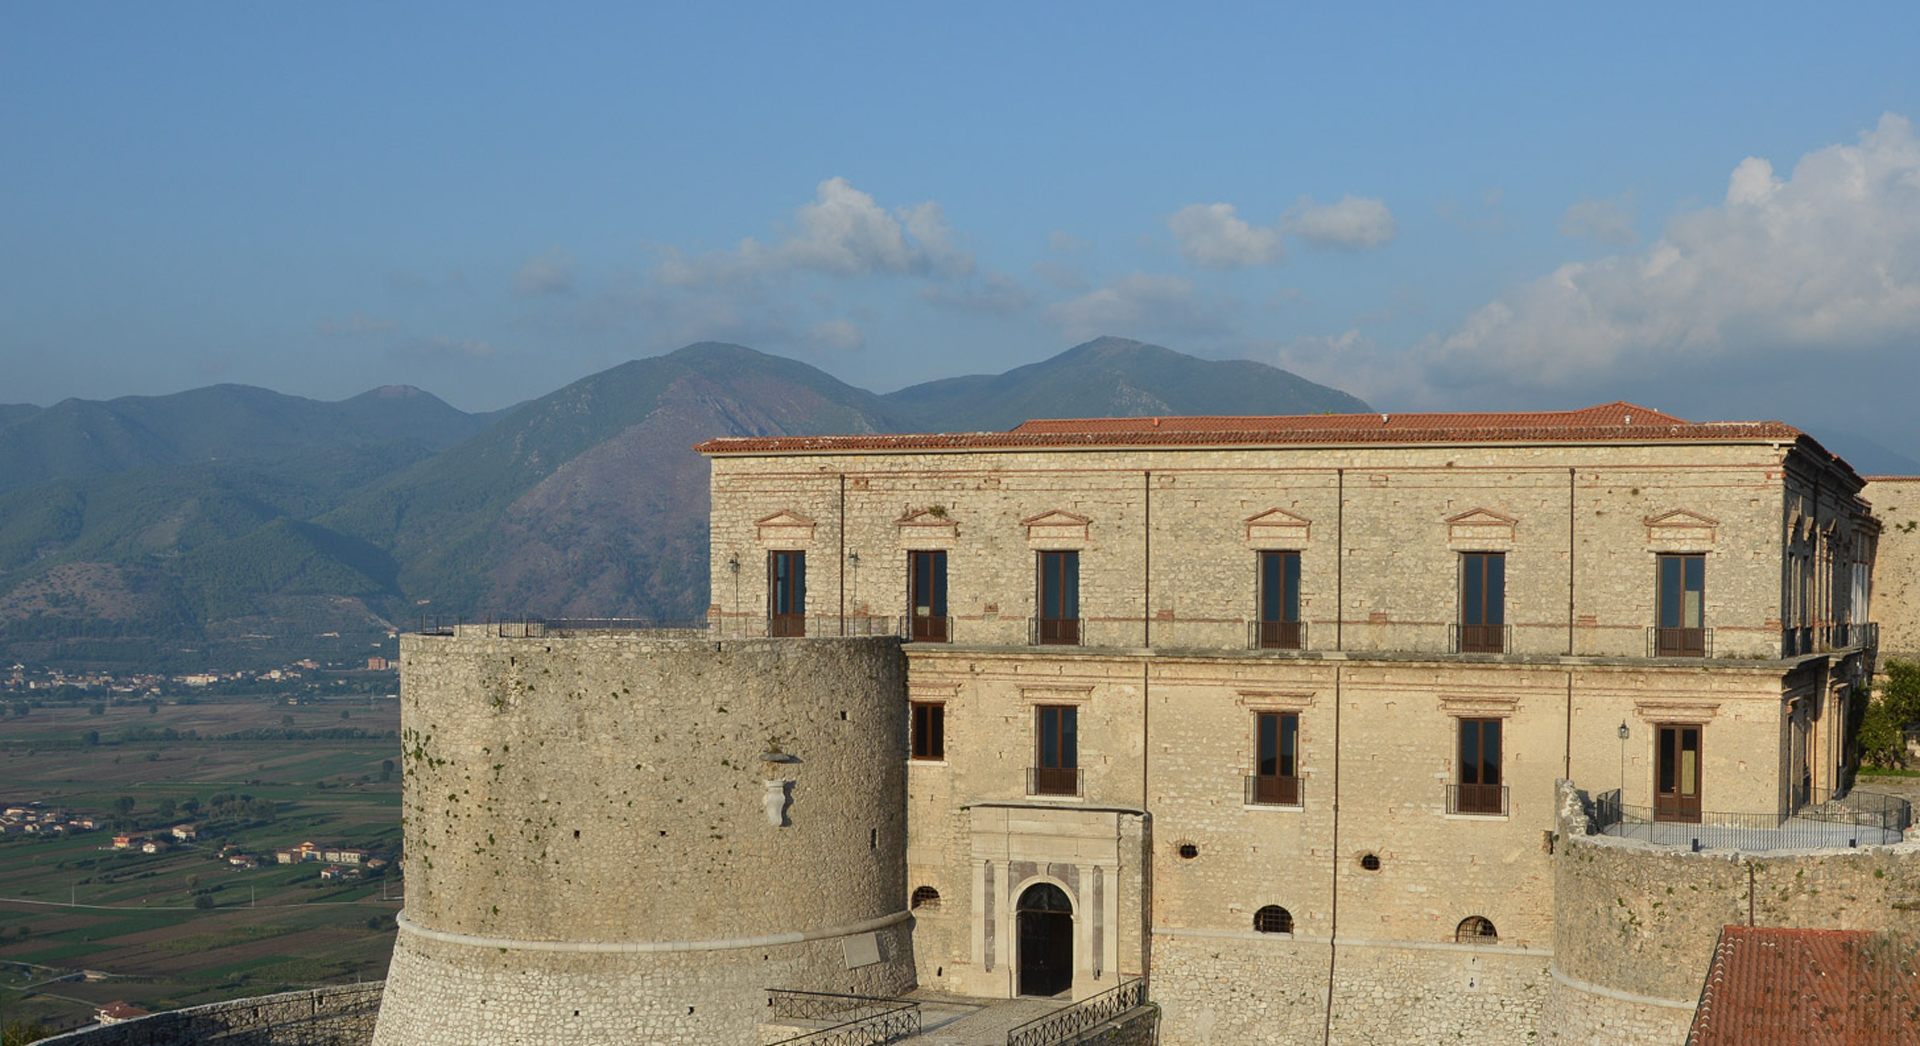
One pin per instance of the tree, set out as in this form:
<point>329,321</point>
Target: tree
<point>153,707</point>
<point>203,901</point>
<point>191,805</point>
<point>97,709</point>
<point>386,769</point>
<point>1882,735</point>
<point>91,738</point>
<point>19,1033</point>
<point>124,804</point>
<point>164,809</point>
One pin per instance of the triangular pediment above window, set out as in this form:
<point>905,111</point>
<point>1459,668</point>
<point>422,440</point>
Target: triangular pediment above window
<point>785,528</point>
<point>1057,527</point>
<point>1277,528</point>
<point>1482,517</point>
<point>1480,529</point>
<point>1681,531</point>
<point>1681,518</point>
<point>1056,518</point>
<point>926,517</point>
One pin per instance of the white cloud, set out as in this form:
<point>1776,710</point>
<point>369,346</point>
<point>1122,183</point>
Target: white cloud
<point>547,273</point>
<point>443,347</point>
<point>1354,222</point>
<point>1138,305</point>
<point>1824,261</point>
<point>358,323</point>
<point>842,232</point>
<point>1608,220</point>
<point>838,335</point>
<point>1212,236</point>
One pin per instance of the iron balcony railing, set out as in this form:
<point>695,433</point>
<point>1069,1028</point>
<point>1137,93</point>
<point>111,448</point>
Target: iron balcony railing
<point>1053,780</point>
<point>819,626</point>
<point>1274,790</point>
<point>1054,631</point>
<point>1480,639</point>
<point>1679,642</point>
<point>520,626</point>
<point>1064,1024</point>
<point>1477,799</point>
<point>927,628</point>
<point>1276,635</point>
<point>1825,821</point>
<point>851,1020</point>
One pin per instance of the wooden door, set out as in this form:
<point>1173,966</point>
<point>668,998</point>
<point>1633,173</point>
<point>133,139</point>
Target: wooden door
<point>1677,773</point>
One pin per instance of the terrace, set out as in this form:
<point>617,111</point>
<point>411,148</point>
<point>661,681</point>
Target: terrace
<point>1827,821</point>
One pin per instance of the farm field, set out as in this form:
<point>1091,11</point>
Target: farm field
<point>82,924</point>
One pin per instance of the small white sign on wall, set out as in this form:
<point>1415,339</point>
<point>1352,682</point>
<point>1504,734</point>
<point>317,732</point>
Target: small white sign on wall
<point>862,949</point>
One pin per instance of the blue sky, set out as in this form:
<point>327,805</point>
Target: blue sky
<point>1711,209</point>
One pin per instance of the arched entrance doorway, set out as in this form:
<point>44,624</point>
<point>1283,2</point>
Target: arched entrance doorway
<point>1046,940</point>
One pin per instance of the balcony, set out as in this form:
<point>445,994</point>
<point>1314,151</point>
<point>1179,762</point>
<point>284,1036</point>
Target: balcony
<point>1679,642</point>
<point>1477,799</point>
<point>926,628</point>
<point>1053,780</point>
<point>1053,631</point>
<point>1276,635</point>
<point>1481,639</point>
<point>1274,790</point>
<point>1826,821</point>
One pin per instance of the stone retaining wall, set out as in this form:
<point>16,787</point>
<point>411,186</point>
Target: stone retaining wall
<point>337,1016</point>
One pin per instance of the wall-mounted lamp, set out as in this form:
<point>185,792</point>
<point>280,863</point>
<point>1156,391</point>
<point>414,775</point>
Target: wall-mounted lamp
<point>854,558</point>
<point>733,562</point>
<point>1623,730</point>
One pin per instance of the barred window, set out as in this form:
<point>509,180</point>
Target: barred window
<point>925,897</point>
<point>1273,919</point>
<point>1476,929</point>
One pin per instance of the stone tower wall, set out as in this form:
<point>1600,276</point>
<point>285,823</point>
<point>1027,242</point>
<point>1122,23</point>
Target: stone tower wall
<point>589,853</point>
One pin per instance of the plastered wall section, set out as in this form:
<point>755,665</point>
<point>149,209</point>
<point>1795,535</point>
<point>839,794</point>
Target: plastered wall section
<point>1172,535</point>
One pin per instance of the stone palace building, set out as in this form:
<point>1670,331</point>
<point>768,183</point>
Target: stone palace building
<point>1337,729</point>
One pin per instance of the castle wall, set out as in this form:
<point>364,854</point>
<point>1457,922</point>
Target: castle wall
<point>588,845</point>
<point>341,1015</point>
<point>1636,923</point>
<point>1896,581</point>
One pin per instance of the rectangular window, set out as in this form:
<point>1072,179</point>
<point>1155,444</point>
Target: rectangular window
<point>1478,788</point>
<point>1681,628</point>
<point>1276,768</point>
<point>787,593</point>
<point>1279,601</point>
<point>1057,762</point>
<point>929,730</point>
<point>1483,602</point>
<point>1059,619</point>
<point>927,577</point>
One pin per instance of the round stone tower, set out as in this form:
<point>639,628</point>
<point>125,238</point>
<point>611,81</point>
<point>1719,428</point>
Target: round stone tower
<point>627,837</point>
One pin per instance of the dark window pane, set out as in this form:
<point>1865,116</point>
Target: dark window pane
<point>1496,590</point>
<point>1669,592</point>
<point>1292,608</point>
<point>1473,592</point>
<point>1490,752</point>
<point>1069,737</point>
<point>1469,752</point>
<point>1070,585</point>
<point>1289,744</point>
<point>1267,762</point>
<point>1272,586</point>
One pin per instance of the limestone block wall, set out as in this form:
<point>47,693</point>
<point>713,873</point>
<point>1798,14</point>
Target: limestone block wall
<point>1231,988</point>
<point>342,1015</point>
<point>588,846</point>
<point>1896,575</point>
<point>1172,536</point>
<point>1636,923</point>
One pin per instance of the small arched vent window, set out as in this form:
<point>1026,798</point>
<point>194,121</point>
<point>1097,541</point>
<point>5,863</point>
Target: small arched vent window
<point>926,897</point>
<point>1273,919</point>
<point>1475,929</point>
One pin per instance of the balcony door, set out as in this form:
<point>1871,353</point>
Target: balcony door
<point>1059,617</point>
<point>1276,780</point>
<point>1676,794</point>
<point>1279,601</point>
<point>927,573</point>
<point>1483,603</point>
<point>1682,626</point>
<point>787,593</point>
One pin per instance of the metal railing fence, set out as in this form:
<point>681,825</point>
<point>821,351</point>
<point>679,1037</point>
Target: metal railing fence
<point>1063,1024</point>
<point>1276,635</point>
<point>1828,821</point>
<point>856,1020</point>
<point>1477,799</point>
<point>1274,790</point>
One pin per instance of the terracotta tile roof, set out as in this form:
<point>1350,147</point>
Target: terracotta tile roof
<point>1774,987</point>
<point>1610,422</point>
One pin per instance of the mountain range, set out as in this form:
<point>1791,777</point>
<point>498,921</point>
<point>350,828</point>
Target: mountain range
<point>229,522</point>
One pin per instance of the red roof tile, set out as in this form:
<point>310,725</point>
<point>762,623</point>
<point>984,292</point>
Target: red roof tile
<point>1775,987</point>
<point>1610,422</point>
